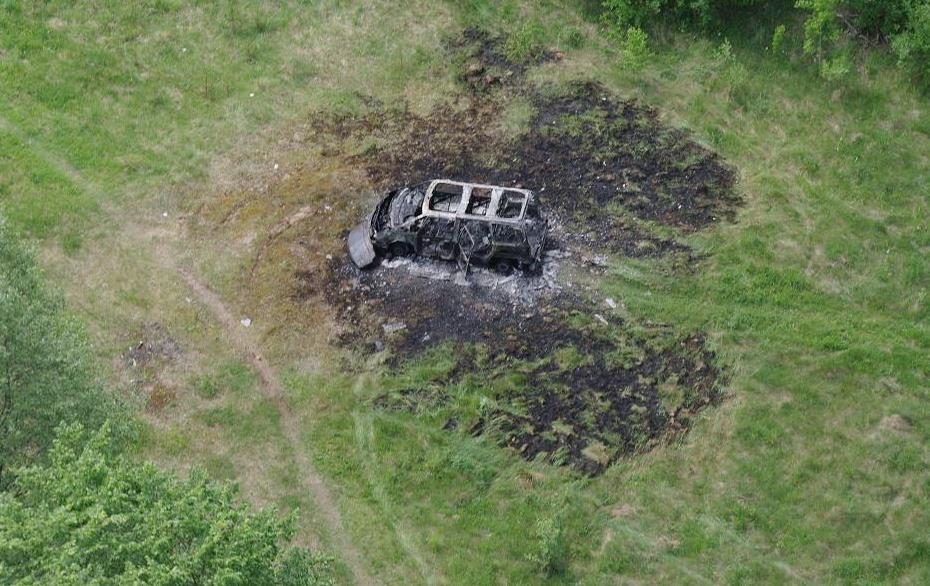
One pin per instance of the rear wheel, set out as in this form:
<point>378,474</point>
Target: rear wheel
<point>503,266</point>
<point>399,249</point>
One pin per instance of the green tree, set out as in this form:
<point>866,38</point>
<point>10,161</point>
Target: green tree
<point>912,45</point>
<point>45,376</point>
<point>90,517</point>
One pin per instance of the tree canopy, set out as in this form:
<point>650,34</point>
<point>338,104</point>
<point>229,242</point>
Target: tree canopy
<point>91,517</point>
<point>45,373</point>
<point>831,27</point>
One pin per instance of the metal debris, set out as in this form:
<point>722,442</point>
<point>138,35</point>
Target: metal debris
<point>393,328</point>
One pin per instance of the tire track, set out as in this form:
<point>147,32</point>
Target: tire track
<point>272,389</point>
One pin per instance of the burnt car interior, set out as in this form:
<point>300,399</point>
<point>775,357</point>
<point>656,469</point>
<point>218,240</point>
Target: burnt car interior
<point>479,202</point>
<point>448,219</point>
<point>511,204</point>
<point>446,198</point>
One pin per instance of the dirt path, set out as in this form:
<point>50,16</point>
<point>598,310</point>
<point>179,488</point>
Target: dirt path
<point>243,341</point>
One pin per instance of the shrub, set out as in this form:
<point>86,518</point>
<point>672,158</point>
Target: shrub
<point>45,374</point>
<point>90,517</point>
<point>623,14</point>
<point>550,554</point>
<point>912,46</point>
<point>778,39</point>
<point>635,48</point>
<point>525,44</point>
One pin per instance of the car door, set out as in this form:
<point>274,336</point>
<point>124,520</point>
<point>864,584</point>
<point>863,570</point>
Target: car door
<point>437,237</point>
<point>509,240</point>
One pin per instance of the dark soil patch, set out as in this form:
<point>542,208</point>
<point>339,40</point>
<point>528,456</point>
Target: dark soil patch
<point>412,400</point>
<point>159,397</point>
<point>152,343</point>
<point>594,160</point>
<point>485,64</point>
<point>407,313</point>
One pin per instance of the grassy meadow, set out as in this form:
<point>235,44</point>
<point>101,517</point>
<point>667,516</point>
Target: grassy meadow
<point>140,139</point>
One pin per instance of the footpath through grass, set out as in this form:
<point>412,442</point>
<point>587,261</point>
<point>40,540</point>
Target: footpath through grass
<point>815,468</point>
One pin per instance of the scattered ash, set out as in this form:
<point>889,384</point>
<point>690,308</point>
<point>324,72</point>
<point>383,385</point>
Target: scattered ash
<point>152,343</point>
<point>412,305</point>
<point>594,387</point>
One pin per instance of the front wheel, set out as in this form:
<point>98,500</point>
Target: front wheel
<point>399,249</point>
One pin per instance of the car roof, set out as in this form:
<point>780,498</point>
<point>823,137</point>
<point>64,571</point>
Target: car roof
<point>467,189</point>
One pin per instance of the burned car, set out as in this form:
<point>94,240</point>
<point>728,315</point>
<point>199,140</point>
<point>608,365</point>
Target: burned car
<point>498,227</point>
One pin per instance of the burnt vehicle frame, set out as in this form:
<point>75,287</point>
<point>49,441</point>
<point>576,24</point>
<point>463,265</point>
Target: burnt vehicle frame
<point>471,223</point>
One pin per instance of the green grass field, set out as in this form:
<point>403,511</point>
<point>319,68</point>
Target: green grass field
<point>137,139</point>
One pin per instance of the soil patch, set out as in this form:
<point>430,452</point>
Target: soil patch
<point>418,305</point>
<point>153,343</point>
<point>485,63</point>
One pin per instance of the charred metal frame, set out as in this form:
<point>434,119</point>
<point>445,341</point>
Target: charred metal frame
<point>488,224</point>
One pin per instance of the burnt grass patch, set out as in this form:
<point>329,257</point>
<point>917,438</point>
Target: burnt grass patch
<point>556,376</point>
<point>603,167</point>
<point>564,389</point>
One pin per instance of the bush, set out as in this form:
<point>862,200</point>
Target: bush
<point>550,553</point>
<point>623,14</point>
<point>778,39</point>
<point>45,374</point>
<point>635,48</point>
<point>89,517</point>
<point>829,27</point>
<point>525,44</point>
<point>912,46</point>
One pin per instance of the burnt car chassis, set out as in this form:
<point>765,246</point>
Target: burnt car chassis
<point>471,223</point>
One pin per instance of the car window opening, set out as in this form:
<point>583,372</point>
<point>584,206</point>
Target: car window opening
<point>479,202</point>
<point>511,204</point>
<point>446,198</point>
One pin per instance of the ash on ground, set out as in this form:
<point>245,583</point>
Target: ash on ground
<point>408,304</point>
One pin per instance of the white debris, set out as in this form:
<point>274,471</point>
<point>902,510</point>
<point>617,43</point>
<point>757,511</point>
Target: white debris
<point>251,94</point>
<point>164,214</point>
<point>601,319</point>
<point>597,260</point>
<point>611,303</point>
<point>188,299</point>
<point>461,279</point>
<point>246,322</point>
<point>505,280</point>
<point>393,263</point>
<point>275,166</point>
<point>329,257</point>
<point>394,327</point>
